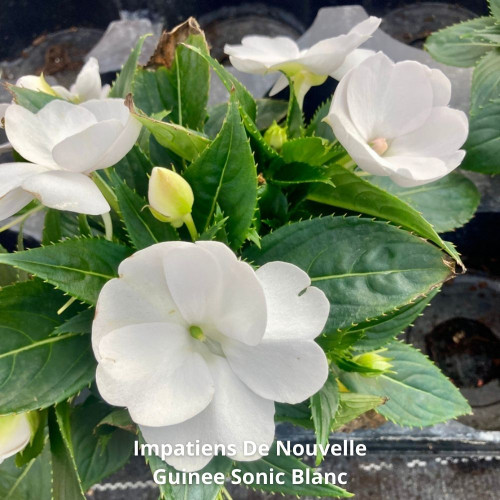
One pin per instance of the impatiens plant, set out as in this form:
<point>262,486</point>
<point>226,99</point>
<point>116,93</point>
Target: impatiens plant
<point>476,43</point>
<point>207,272</point>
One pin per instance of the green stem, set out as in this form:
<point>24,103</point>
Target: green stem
<point>362,173</point>
<point>65,306</point>
<point>188,220</point>
<point>21,218</point>
<point>108,226</point>
<point>106,191</point>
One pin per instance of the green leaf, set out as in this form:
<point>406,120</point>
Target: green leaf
<point>32,100</point>
<point>483,143</point>
<point>463,44</point>
<point>294,118</point>
<point>269,111</point>
<point>300,173</point>
<point>37,369</point>
<point>79,267</point>
<point>142,227</point>
<point>418,393</point>
<point>354,193</point>
<point>119,418</point>
<point>186,143</point>
<point>52,231</point>
<point>298,414</point>
<point>384,329</point>
<point>287,464</point>
<point>244,97</point>
<point>225,174</point>
<point>30,482</point>
<point>324,405</point>
<point>80,323</point>
<point>38,421</point>
<point>190,491</point>
<point>310,150</point>
<point>66,482</point>
<point>134,168</point>
<point>123,83</point>
<point>364,267</point>
<point>353,405</point>
<point>8,275</point>
<point>348,365</point>
<point>485,81</point>
<point>446,204</point>
<point>494,6</point>
<point>317,127</point>
<point>98,451</point>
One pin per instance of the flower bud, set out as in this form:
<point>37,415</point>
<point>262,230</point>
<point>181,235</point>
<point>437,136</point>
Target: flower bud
<point>373,360</point>
<point>15,433</point>
<point>275,136</point>
<point>170,196</point>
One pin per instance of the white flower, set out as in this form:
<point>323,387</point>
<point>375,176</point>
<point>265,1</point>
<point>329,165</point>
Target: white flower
<point>198,345</point>
<point>65,143</point>
<point>306,68</point>
<point>86,87</point>
<point>393,119</point>
<point>15,434</point>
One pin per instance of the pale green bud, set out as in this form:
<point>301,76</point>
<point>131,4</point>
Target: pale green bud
<point>373,360</point>
<point>170,196</point>
<point>16,432</point>
<point>275,136</point>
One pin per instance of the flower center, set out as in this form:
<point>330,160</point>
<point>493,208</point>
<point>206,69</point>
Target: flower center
<point>197,333</point>
<point>379,145</point>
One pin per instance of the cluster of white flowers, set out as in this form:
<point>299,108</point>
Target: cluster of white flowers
<point>392,118</point>
<point>194,342</point>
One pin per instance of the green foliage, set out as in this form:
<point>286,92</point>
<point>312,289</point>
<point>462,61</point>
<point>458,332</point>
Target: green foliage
<point>317,127</point>
<point>134,169</point>
<point>231,83</point>
<point>123,83</point>
<point>354,193</point>
<point>142,227</point>
<point>295,118</point>
<point>37,369</point>
<point>32,100</point>
<point>79,267</point>
<point>465,43</point>
<point>29,482</point>
<point>286,464</point>
<point>225,174</point>
<point>446,204</point>
<point>418,393</point>
<point>364,267</point>
<point>353,405</point>
<point>324,405</point>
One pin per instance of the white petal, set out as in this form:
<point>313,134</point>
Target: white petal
<point>242,313</point>
<point>67,191</point>
<point>257,54</point>
<point>30,82</point>
<point>281,370</point>
<point>61,119</point>
<point>94,141</point>
<point>122,145</point>
<point>281,84</point>
<point>153,370</point>
<point>386,99</point>
<point>327,55</point>
<point>63,92</point>
<point>88,82</point>
<point>442,134</point>
<point>441,87</point>
<point>16,434</point>
<point>108,109</point>
<point>27,136</point>
<point>352,60</point>
<point>236,414</point>
<point>290,315</point>
<point>124,302</point>
<point>194,280</point>
<point>12,202</point>
<point>412,171</point>
<point>12,175</point>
